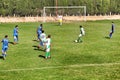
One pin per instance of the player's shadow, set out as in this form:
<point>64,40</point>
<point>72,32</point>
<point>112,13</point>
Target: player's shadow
<point>35,46</point>
<point>41,56</point>
<point>107,37</point>
<point>36,40</point>
<point>11,43</point>
<point>1,57</point>
<point>38,49</point>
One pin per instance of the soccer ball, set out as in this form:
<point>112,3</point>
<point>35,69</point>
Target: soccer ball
<point>76,41</point>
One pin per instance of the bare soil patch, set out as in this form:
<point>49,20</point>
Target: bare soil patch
<point>50,19</point>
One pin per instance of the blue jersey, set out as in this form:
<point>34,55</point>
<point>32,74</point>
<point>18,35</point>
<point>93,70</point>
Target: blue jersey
<point>15,32</point>
<point>39,30</point>
<point>5,43</point>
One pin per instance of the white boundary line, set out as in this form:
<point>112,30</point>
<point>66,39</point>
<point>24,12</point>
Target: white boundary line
<point>57,67</point>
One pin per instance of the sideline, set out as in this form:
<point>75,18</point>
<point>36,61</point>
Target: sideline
<point>57,67</point>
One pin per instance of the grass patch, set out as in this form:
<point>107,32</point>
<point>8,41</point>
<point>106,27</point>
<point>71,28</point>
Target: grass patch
<point>95,49</point>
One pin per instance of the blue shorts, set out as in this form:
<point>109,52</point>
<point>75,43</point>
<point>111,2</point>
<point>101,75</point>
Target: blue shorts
<point>41,43</point>
<point>38,36</point>
<point>5,48</point>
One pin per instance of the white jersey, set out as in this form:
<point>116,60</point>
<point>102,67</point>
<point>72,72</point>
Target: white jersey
<point>48,41</point>
<point>43,37</point>
<point>82,31</point>
<point>60,18</point>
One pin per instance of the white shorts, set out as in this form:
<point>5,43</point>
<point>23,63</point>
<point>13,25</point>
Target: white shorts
<point>15,37</point>
<point>48,50</point>
<point>80,35</point>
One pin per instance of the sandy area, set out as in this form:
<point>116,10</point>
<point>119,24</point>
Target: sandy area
<point>65,18</point>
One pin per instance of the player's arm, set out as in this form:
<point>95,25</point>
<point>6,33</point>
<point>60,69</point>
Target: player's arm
<point>17,31</point>
<point>1,41</point>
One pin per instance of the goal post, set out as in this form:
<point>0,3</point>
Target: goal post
<point>64,7</point>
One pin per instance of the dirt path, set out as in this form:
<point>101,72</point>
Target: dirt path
<point>68,18</point>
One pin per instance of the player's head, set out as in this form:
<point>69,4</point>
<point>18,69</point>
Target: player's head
<point>49,36</point>
<point>80,26</point>
<point>6,36</point>
<point>41,25</point>
<point>16,26</point>
<point>112,22</point>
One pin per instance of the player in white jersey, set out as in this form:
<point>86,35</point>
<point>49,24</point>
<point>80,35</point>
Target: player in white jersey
<point>48,45</point>
<point>82,33</point>
<point>42,39</point>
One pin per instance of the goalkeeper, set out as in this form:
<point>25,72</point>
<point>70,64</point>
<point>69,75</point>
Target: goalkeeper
<point>60,18</point>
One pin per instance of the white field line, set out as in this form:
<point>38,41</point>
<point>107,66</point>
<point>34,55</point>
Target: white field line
<point>57,67</point>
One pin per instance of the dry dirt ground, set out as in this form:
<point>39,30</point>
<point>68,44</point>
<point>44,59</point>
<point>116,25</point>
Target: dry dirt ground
<point>65,18</point>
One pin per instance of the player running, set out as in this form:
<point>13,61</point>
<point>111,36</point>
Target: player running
<point>82,33</point>
<point>15,34</point>
<point>39,32</point>
<point>42,39</point>
<point>5,42</point>
<point>112,30</point>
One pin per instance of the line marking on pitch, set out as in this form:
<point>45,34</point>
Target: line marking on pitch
<point>57,67</point>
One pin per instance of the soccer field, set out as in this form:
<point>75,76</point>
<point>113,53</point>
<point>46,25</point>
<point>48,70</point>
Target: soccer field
<point>96,58</point>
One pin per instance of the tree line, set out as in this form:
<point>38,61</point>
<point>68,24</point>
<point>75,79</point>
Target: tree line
<point>35,7</point>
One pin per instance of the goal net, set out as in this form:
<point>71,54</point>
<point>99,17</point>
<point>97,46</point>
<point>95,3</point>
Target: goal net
<point>69,13</point>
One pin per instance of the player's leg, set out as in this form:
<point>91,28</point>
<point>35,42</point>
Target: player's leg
<point>38,36</point>
<point>110,35</point>
<point>40,44</point>
<point>4,52</point>
<point>15,39</point>
<point>60,22</point>
<point>47,55</point>
<point>79,38</point>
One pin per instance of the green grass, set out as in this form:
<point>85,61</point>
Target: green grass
<point>70,61</point>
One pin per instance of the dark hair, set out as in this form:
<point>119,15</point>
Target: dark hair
<point>42,31</point>
<point>80,26</point>
<point>49,36</point>
<point>40,24</point>
<point>16,26</point>
<point>6,36</point>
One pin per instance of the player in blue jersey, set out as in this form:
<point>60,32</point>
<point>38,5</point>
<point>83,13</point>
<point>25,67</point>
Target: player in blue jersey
<point>112,30</point>
<point>4,46</point>
<point>39,32</point>
<point>15,34</point>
